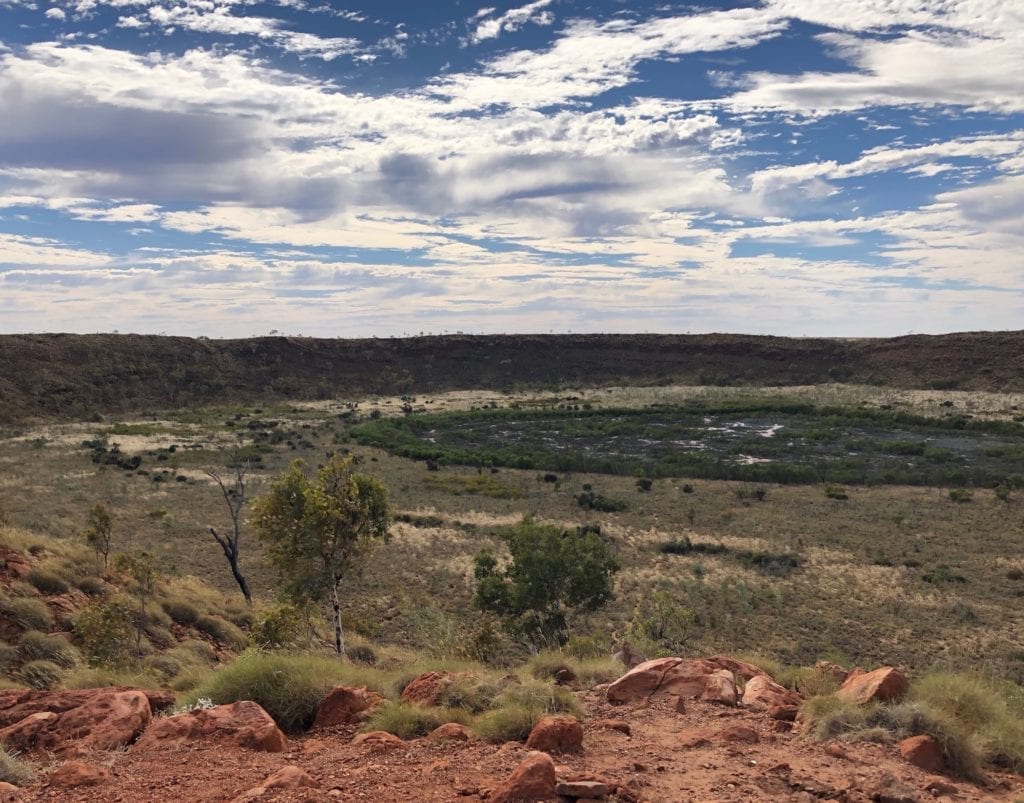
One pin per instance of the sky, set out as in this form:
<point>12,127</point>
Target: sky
<point>230,168</point>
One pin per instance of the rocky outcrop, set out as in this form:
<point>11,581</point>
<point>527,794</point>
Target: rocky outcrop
<point>244,724</point>
<point>883,685</point>
<point>534,779</point>
<point>556,735</point>
<point>72,722</point>
<point>679,677</point>
<point>346,705</point>
<point>72,774</point>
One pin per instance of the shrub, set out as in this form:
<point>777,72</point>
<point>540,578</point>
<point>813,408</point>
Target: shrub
<point>222,631</point>
<point>13,770</point>
<point>409,721</point>
<point>836,492</point>
<point>48,582</point>
<point>547,698</point>
<point>588,500</point>
<point>943,574</point>
<point>194,651</point>
<point>41,675</point>
<point>34,645</point>
<point>470,693</point>
<point>91,677</point>
<point>586,647</point>
<point>29,613</point>
<point>960,495</point>
<point>180,611</point>
<point>290,687</point>
<point>644,484</point>
<point>279,626</point>
<point>106,632</point>
<point>8,656</point>
<point>362,654</point>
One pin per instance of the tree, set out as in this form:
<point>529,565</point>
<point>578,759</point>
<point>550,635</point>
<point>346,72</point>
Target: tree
<point>234,497</point>
<point>316,530</point>
<point>98,532</point>
<point>142,568</point>
<point>551,574</point>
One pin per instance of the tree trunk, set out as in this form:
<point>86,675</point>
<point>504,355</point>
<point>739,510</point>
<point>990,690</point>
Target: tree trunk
<point>240,579</point>
<point>339,641</point>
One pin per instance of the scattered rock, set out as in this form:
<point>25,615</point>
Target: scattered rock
<point>556,734</point>
<point>719,687</point>
<point>884,685</point>
<point>739,733</point>
<point>290,777</point>
<point>244,723</point>
<point>345,705</point>
<point>72,774</point>
<point>887,789</point>
<point>665,677</point>
<point>450,731</point>
<point>785,713</point>
<point>426,689</point>
<point>582,789</point>
<point>923,752</point>
<point>378,740</point>
<point>942,787</point>
<point>619,725</point>
<point>98,719</point>
<point>763,692</point>
<point>533,779</point>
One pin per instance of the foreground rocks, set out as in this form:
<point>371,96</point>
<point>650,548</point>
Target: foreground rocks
<point>346,705</point>
<point>244,724</point>
<point>702,678</point>
<point>533,779</point>
<point>72,722</point>
<point>883,685</point>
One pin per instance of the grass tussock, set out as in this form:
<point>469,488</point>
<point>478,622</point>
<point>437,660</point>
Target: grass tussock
<point>27,612</point>
<point>14,770</point>
<point>33,645</point>
<point>289,686</point>
<point>91,677</point>
<point>407,721</point>
<point>223,631</point>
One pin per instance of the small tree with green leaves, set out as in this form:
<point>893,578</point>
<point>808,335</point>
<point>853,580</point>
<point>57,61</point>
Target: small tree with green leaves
<point>551,575</point>
<point>142,568</point>
<point>98,532</point>
<point>316,530</point>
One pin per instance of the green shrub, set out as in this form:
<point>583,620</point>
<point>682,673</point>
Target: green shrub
<point>13,770</point>
<point>91,677</point>
<point>586,647</point>
<point>363,654</point>
<point>470,693</point>
<point>547,698</point>
<point>34,645</point>
<point>48,582</point>
<point>29,613</point>
<point>961,495</point>
<point>164,665</point>
<point>408,721</point>
<point>592,671</point>
<point>106,632</point>
<point>222,631</point>
<point>290,687</point>
<point>279,626</point>
<point>546,664</point>
<point>194,651</point>
<point>42,675</point>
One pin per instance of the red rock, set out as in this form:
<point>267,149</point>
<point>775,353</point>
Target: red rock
<point>533,779</point>
<point>785,713</point>
<point>781,726</point>
<point>582,789</point>
<point>345,705</point>
<point>739,668</point>
<point>16,704</point>
<point>77,773</point>
<point>244,723</point>
<point>290,777</point>
<point>378,740</point>
<point>763,692</point>
<point>719,688</point>
<point>100,719</point>
<point>884,685</point>
<point>450,731</point>
<point>667,677</point>
<point>426,689</point>
<point>561,734</point>
<point>738,733</point>
<point>613,725</point>
<point>922,751</point>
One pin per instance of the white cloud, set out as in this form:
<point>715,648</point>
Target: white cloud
<point>55,14</point>
<point>512,20</point>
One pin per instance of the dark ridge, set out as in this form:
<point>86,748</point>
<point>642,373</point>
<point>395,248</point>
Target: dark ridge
<point>76,376</point>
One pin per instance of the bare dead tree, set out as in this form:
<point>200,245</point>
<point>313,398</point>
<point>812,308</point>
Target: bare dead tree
<point>234,496</point>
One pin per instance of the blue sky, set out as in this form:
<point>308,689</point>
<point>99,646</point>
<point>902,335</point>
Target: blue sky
<point>229,167</point>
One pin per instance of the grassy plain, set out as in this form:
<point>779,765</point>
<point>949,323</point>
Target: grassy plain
<point>891,573</point>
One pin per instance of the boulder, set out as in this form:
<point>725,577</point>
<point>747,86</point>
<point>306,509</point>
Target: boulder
<point>16,704</point>
<point>556,734</point>
<point>533,779</point>
<point>883,685</point>
<point>72,774</point>
<point>426,689</point>
<point>719,688</point>
<point>764,693</point>
<point>89,719</point>
<point>784,713</point>
<point>582,789</point>
<point>668,677</point>
<point>450,731</point>
<point>378,740</point>
<point>346,705</point>
<point>924,752</point>
<point>244,723</point>
<point>290,777</point>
